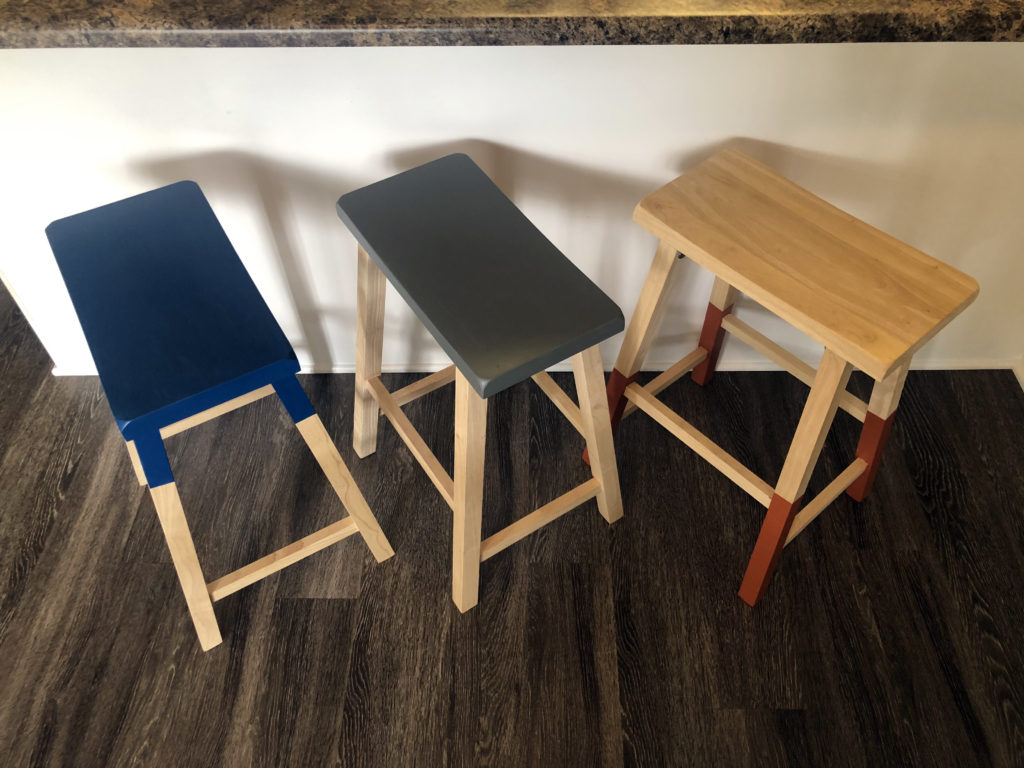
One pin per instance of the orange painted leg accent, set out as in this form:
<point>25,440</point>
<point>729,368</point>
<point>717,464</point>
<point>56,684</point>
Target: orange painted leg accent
<point>770,541</point>
<point>711,337</point>
<point>873,437</point>
<point>617,384</point>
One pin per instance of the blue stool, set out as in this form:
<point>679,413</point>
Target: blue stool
<point>180,335</point>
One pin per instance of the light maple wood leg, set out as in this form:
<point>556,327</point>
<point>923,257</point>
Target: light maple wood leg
<point>885,397</point>
<point>327,456</point>
<point>820,409</point>
<point>597,429</point>
<point>470,439</point>
<point>133,455</point>
<point>712,335</point>
<point>643,327</point>
<point>186,563</point>
<point>369,349</point>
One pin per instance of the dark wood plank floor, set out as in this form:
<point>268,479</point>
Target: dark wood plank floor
<point>893,633</point>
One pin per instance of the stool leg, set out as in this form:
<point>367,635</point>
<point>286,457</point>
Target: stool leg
<point>723,296</point>
<point>885,396</point>
<point>470,440</point>
<point>133,455</point>
<point>153,459</point>
<point>819,410</point>
<point>326,454</point>
<point>643,326</point>
<point>369,350</point>
<point>597,428</point>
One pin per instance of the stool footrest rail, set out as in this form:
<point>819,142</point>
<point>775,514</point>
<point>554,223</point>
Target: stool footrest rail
<point>788,362</point>
<point>282,558</point>
<point>414,441</point>
<point>537,519</point>
<point>706,448</point>
<point>827,495</point>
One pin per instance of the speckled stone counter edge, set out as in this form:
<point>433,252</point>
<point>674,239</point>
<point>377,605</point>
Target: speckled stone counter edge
<point>970,26</point>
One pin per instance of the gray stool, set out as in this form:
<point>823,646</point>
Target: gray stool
<point>504,304</point>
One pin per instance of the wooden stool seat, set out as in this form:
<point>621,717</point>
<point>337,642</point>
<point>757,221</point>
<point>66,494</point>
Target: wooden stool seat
<point>504,304</point>
<point>852,288</point>
<point>180,334</point>
<point>869,299</point>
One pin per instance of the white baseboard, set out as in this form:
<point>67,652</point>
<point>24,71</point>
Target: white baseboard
<point>1014,364</point>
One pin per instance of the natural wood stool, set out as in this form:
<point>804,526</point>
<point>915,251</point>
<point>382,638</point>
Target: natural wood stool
<point>871,300</point>
<point>504,304</point>
<point>180,335</point>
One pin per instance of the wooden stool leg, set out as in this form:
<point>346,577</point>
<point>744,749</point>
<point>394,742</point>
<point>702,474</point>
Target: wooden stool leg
<point>186,563</point>
<point>885,396</point>
<point>327,456</point>
<point>153,459</point>
<point>470,440</point>
<point>820,409</point>
<point>369,349</point>
<point>597,428</point>
<point>643,326</point>
<point>723,296</point>
<point>133,455</point>
<point>294,399</point>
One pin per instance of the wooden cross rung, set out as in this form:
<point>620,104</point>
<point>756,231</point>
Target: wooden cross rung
<point>670,376</point>
<point>537,519</point>
<point>789,362</point>
<point>217,410</point>
<point>706,448</point>
<point>197,419</point>
<point>282,558</point>
<point>829,494</point>
<point>423,386</point>
<point>413,440</point>
<point>561,400</point>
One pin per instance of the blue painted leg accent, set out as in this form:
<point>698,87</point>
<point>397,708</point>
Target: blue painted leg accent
<point>153,457</point>
<point>294,399</point>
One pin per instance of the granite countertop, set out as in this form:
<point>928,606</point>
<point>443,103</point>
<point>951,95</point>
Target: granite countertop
<point>165,23</point>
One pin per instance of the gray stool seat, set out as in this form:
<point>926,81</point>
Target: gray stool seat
<point>502,301</point>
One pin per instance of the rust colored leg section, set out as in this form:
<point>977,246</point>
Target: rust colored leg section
<point>770,541</point>
<point>617,384</point>
<point>873,437</point>
<point>711,337</point>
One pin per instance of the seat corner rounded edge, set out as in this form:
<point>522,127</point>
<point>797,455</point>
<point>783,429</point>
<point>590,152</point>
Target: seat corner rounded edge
<point>50,228</point>
<point>189,185</point>
<point>485,386</point>
<point>129,428</point>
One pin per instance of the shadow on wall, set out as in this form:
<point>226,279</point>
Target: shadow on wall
<point>275,189</point>
<point>842,181</point>
<point>830,177</point>
<point>605,201</point>
<point>601,201</point>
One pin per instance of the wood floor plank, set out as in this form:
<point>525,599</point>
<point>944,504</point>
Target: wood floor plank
<point>893,632</point>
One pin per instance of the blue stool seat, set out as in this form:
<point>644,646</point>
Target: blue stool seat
<point>180,334</point>
<point>173,320</point>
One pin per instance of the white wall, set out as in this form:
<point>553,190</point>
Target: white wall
<point>925,141</point>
